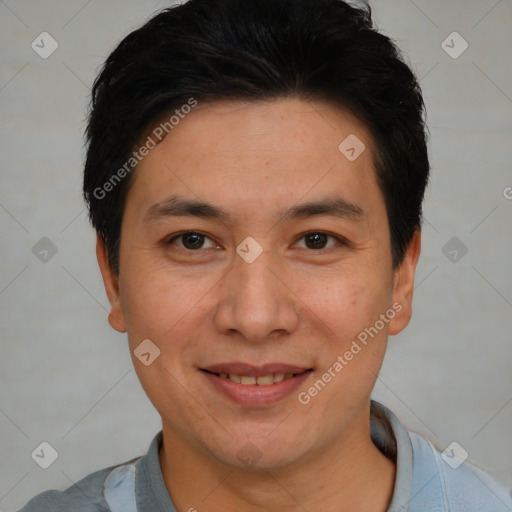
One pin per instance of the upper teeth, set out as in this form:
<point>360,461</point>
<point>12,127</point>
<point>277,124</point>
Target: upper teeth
<point>263,380</point>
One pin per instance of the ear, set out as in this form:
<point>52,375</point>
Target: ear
<point>111,283</point>
<point>404,285</point>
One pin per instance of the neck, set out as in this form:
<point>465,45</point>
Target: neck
<point>349,474</point>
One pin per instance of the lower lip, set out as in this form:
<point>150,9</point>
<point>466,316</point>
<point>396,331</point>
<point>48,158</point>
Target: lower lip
<point>253,395</point>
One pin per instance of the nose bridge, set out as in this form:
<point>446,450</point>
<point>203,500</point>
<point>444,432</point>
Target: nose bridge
<point>255,284</point>
<point>254,301</point>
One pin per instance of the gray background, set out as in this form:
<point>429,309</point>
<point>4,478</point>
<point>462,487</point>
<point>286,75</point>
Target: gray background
<point>66,377</point>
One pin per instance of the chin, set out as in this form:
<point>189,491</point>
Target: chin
<point>261,452</point>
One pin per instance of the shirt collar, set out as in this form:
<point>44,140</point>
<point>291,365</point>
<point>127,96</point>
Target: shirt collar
<point>150,490</point>
<point>393,440</point>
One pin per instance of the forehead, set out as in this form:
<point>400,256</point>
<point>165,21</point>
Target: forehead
<point>279,125</point>
<point>264,153</point>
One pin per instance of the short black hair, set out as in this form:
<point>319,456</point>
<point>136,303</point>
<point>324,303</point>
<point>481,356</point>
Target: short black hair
<point>257,50</point>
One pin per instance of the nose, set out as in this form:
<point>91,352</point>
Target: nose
<point>256,302</point>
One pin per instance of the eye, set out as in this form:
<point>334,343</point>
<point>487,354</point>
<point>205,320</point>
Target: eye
<point>192,241</point>
<point>318,240</point>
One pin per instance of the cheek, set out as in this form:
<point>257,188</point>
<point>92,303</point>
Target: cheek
<point>352,355</point>
<point>155,302</point>
<point>346,304</point>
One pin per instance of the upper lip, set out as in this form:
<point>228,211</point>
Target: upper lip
<point>250,370</point>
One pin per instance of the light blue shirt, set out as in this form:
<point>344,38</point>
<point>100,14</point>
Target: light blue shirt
<point>426,481</point>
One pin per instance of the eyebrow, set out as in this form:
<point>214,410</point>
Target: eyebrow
<point>176,206</point>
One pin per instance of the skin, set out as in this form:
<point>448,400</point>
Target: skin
<point>293,304</point>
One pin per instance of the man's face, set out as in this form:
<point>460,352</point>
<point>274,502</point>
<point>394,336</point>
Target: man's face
<point>324,276</point>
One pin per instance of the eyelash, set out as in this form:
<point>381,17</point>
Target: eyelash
<point>339,240</point>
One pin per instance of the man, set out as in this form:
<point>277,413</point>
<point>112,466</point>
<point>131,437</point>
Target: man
<point>255,174</point>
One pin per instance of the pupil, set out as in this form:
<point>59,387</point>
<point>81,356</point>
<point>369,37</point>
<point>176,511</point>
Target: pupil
<point>316,240</point>
<point>193,241</point>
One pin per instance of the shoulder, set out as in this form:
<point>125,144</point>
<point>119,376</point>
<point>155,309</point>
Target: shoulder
<point>84,496</point>
<point>87,495</point>
<point>448,482</point>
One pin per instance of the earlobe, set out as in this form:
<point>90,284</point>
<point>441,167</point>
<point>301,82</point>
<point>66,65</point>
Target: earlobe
<point>111,283</point>
<point>404,285</point>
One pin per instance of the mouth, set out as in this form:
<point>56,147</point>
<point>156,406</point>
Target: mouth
<point>255,386</point>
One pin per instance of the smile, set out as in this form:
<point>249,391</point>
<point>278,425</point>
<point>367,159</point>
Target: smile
<point>253,386</point>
